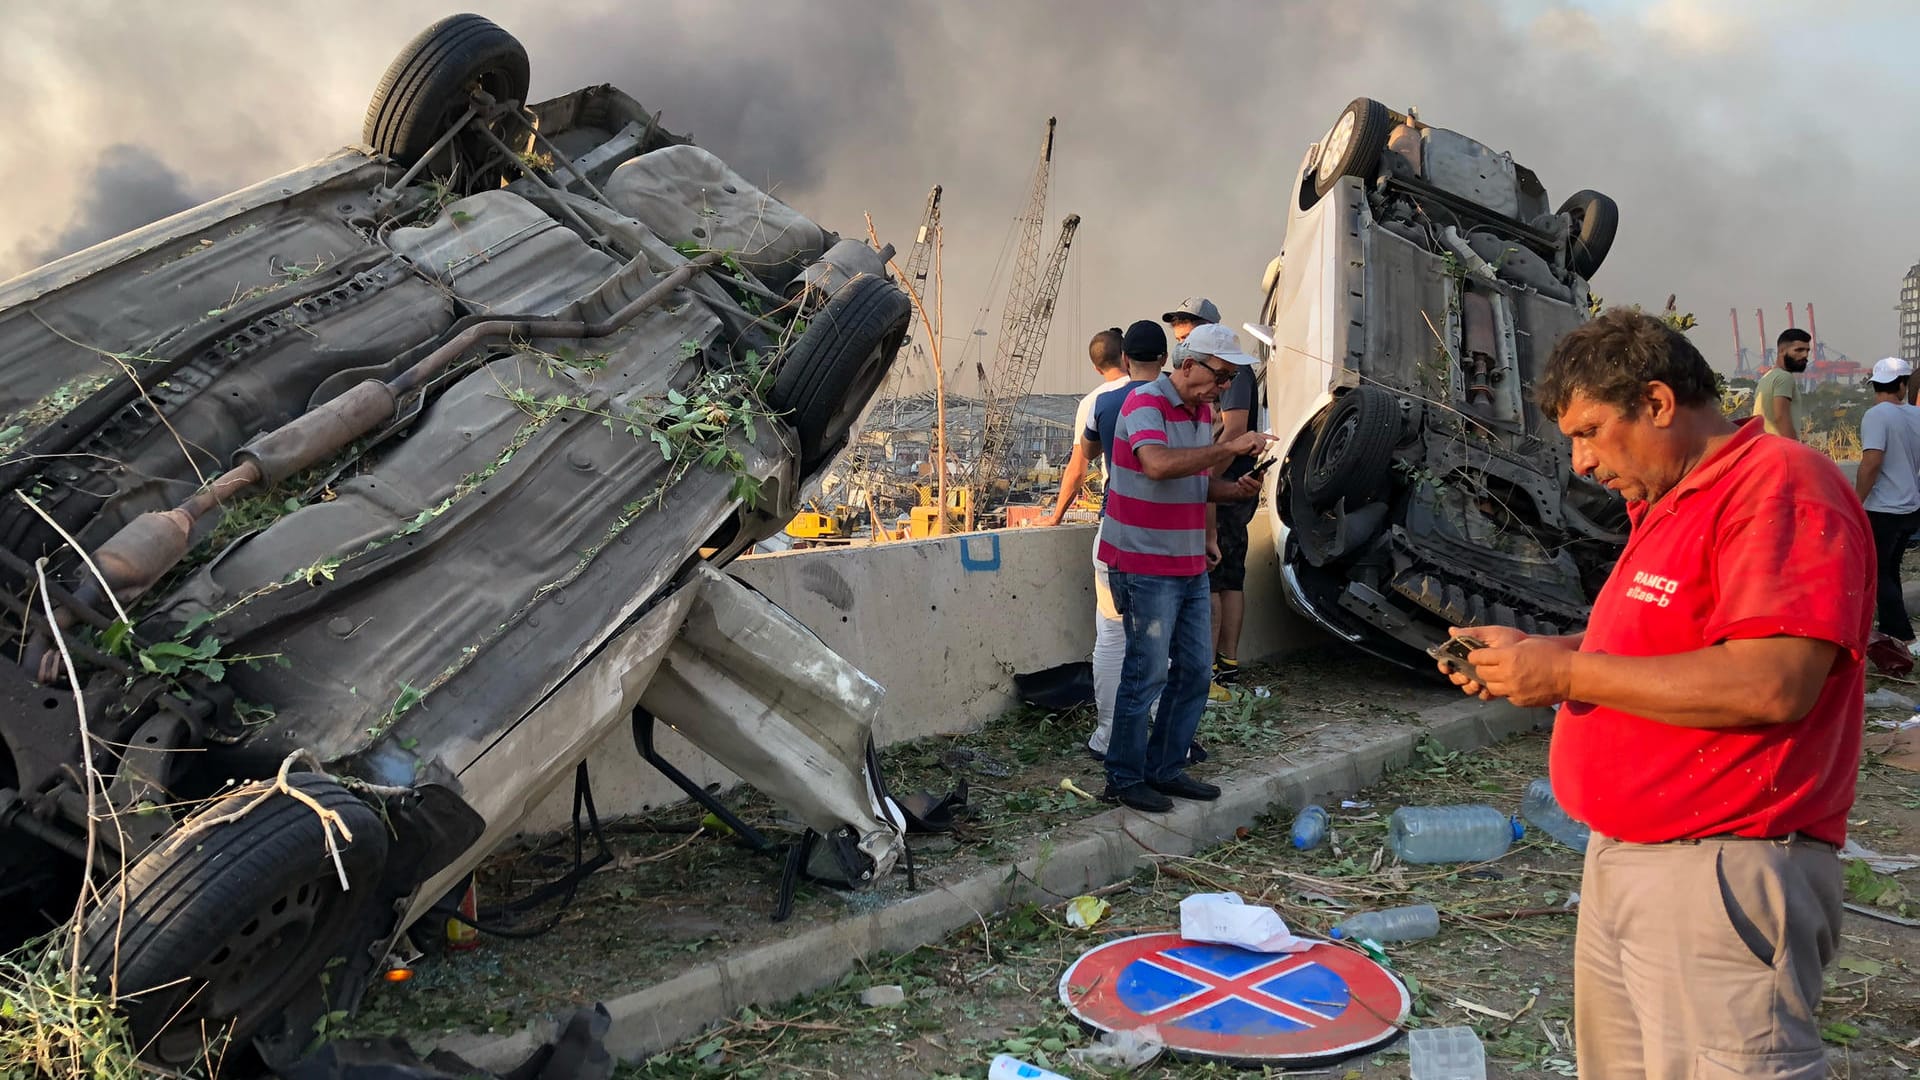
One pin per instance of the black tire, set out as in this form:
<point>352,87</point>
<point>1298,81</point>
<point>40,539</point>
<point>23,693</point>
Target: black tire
<point>1353,144</point>
<point>224,924</point>
<point>1595,219</point>
<point>829,375</point>
<point>1352,454</point>
<point>427,87</point>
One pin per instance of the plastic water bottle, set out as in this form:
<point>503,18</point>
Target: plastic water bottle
<point>1451,834</point>
<point>1007,1067</point>
<point>1393,924</point>
<point>1310,828</point>
<point>1543,812</point>
<point>1451,1053</point>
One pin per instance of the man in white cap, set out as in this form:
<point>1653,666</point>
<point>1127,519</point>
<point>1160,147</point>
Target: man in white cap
<point>1237,414</point>
<point>1888,484</point>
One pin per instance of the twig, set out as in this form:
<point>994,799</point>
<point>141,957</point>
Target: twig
<point>80,551</point>
<point>329,819</point>
<point>86,763</point>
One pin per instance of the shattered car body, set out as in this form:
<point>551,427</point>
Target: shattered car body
<point>1424,282</point>
<point>346,513</point>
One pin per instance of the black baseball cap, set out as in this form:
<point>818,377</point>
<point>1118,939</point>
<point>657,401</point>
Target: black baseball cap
<point>1144,340</point>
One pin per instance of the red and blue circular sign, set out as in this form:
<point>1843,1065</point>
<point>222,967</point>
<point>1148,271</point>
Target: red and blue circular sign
<point>1230,1004</point>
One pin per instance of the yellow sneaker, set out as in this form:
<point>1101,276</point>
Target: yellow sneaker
<point>1218,695</point>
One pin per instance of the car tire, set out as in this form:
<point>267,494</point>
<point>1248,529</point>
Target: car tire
<point>223,923</point>
<point>829,375</point>
<point>1352,452</point>
<point>425,89</point>
<point>1595,219</point>
<point>1353,144</point>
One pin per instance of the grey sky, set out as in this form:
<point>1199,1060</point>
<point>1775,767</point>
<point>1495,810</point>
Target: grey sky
<point>1761,151</point>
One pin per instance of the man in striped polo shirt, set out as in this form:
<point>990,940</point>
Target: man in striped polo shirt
<point>1158,542</point>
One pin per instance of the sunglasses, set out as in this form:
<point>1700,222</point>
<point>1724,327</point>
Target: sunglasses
<point>1220,378</point>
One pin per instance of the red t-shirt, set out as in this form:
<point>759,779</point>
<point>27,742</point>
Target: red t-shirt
<point>1763,539</point>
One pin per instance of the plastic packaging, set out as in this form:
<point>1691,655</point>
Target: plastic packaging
<point>1393,924</point>
<point>1543,812</point>
<point>1451,1053</point>
<point>1451,834</point>
<point>1310,828</point>
<point>1006,1067</point>
<point>1225,919</point>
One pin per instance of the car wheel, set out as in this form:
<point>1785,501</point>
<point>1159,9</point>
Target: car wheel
<point>1352,453</point>
<point>1595,218</point>
<point>1352,146</point>
<point>428,87</point>
<point>223,923</point>
<point>828,376</point>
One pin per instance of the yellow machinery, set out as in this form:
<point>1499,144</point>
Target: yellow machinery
<point>813,526</point>
<point>923,519</point>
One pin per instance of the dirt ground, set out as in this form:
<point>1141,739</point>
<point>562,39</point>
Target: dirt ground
<point>681,890</point>
<point>993,989</point>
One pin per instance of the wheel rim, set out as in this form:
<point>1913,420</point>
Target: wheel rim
<point>1334,151</point>
<point>247,967</point>
<point>1337,442</point>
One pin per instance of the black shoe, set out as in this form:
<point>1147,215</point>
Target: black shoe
<point>1140,797</point>
<point>1226,670</point>
<point>1186,787</point>
<point>1196,753</point>
<point>1097,755</point>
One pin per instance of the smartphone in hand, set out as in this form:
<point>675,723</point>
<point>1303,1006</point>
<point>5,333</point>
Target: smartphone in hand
<point>1454,651</point>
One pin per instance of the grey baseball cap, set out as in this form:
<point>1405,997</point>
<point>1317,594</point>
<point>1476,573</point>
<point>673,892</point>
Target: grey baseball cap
<point>1198,307</point>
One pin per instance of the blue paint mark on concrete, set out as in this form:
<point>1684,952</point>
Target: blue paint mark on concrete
<point>973,563</point>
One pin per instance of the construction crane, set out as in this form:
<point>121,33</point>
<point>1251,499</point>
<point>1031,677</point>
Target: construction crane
<point>1025,320</point>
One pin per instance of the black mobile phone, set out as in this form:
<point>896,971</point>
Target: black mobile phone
<point>1454,651</point>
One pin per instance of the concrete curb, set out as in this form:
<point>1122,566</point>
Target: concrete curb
<point>1086,855</point>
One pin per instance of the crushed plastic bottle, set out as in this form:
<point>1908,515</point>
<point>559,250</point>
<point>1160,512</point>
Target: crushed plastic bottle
<point>1007,1067</point>
<point>1393,924</point>
<point>1451,1053</point>
<point>1451,834</point>
<point>1543,812</point>
<point>1310,828</point>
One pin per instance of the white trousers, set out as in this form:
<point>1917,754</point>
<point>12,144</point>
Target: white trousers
<point>1109,654</point>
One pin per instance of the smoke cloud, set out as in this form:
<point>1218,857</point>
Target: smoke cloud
<point>1746,143</point>
<point>128,188</point>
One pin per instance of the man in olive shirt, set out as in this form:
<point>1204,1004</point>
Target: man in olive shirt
<point>1773,397</point>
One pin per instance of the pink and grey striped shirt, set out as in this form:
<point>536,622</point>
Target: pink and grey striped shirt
<point>1156,526</point>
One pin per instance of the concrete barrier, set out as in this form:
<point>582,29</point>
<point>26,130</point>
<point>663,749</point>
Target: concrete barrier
<point>943,624</point>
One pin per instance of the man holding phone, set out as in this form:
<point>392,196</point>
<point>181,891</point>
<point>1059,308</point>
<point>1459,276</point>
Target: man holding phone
<point>1157,541</point>
<point>1710,731</point>
<point>1238,413</point>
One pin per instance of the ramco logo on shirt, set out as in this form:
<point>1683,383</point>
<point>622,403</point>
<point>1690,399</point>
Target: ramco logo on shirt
<point>1652,589</point>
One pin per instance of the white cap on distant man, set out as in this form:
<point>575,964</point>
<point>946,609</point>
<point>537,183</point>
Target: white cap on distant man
<point>1212,339</point>
<point>1891,369</point>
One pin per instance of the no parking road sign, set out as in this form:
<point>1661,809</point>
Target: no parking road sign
<point>1229,1004</point>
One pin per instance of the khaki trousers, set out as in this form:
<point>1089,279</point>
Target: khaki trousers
<point>1702,959</point>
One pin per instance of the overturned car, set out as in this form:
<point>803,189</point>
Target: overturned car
<point>345,513</point>
<point>1424,281</point>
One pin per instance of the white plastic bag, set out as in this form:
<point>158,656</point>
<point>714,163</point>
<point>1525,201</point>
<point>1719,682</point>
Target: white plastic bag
<point>1225,919</point>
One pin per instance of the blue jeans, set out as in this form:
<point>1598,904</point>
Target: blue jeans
<point>1166,618</point>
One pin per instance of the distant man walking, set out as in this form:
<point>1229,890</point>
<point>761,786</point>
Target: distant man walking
<point>1888,484</point>
<point>1157,541</point>
<point>1711,728</point>
<point>1774,395</point>
<point>1110,364</point>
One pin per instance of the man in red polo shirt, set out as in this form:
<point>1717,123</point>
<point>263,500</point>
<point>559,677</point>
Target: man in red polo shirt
<point>1710,731</point>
